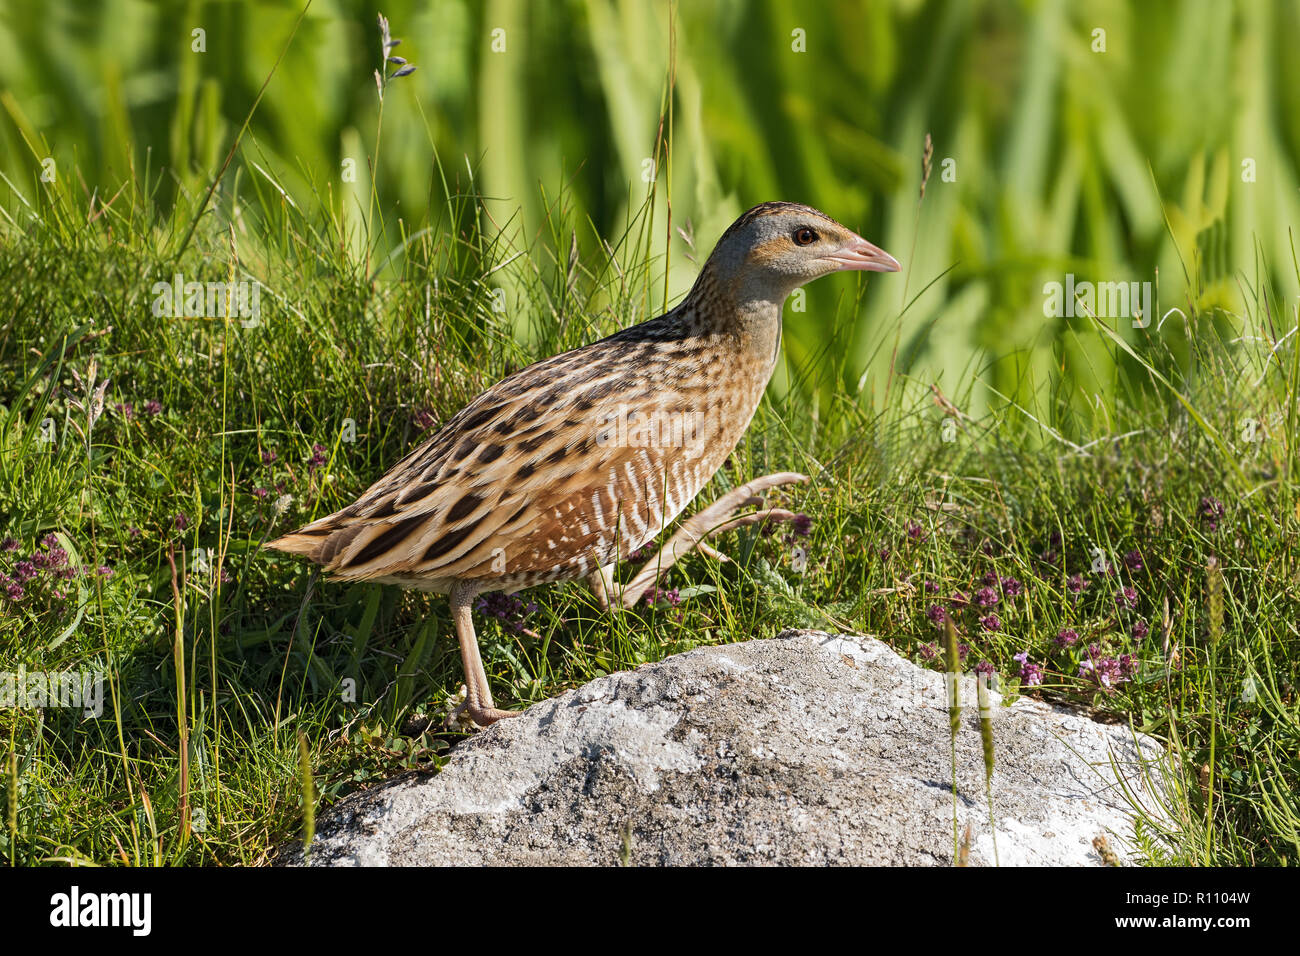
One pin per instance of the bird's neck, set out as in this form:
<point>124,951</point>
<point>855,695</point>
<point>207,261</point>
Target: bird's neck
<point>748,320</point>
<point>734,341</point>
<point>758,334</point>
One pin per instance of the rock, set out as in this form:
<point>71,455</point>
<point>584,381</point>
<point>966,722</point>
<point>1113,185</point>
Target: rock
<point>807,748</point>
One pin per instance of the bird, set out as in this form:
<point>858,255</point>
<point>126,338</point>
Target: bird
<point>569,465</point>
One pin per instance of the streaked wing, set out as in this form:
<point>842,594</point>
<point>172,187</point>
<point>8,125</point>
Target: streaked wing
<point>536,478</point>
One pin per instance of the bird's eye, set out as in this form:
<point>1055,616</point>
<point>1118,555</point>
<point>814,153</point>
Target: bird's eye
<point>804,236</point>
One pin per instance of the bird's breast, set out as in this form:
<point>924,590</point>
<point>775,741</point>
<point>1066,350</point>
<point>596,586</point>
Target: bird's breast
<point>666,439</point>
<point>571,465</point>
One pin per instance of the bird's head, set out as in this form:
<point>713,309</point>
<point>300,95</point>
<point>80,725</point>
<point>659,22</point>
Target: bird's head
<point>776,247</point>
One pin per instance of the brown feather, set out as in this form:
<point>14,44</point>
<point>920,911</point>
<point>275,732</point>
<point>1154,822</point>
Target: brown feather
<point>524,484</point>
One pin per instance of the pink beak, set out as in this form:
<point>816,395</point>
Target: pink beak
<point>862,256</point>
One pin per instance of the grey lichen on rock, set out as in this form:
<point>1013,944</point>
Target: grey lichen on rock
<point>808,748</point>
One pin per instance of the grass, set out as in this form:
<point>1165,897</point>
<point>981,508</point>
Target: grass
<point>1049,157</point>
<point>216,672</point>
<point>1159,527</point>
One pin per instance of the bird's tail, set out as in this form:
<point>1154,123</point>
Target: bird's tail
<point>306,541</point>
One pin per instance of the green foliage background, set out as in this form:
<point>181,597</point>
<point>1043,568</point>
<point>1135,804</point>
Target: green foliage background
<point>1121,165</point>
<point>1118,142</point>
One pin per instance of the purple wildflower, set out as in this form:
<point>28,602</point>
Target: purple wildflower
<point>152,407</point>
<point>1076,583</point>
<point>670,597</point>
<point>1211,512</point>
<point>936,614</point>
<point>1133,560</point>
<point>915,531</point>
<point>991,623</point>
<point>985,668</point>
<point>506,608</point>
<point>181,521</point>
<point>986,597</point>
<point>268,456</point>
<point>14,591</point>
<point>928,652</point>
<point>1011,587</point>
<point>51,558</point>
<point>317,457</point>
<point>1127,666</point>
<point>1031,674</point>
<point>802,525</point>
<point>1140,630</point>
<point>1106,672</point>
<point>1066,638</point>
<point>1126,599</point>
<point>24,570</point>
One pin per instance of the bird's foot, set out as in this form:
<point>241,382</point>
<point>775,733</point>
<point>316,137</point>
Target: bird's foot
<point>475,714</point>
<point>487,716</point>
<point>695,530</point>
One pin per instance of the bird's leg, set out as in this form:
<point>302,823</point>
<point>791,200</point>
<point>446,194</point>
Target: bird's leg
<point>713,520</point>
<point>478,697</point>
<point>601,582</point>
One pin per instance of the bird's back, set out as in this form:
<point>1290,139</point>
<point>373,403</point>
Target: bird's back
<point>563,467</point>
